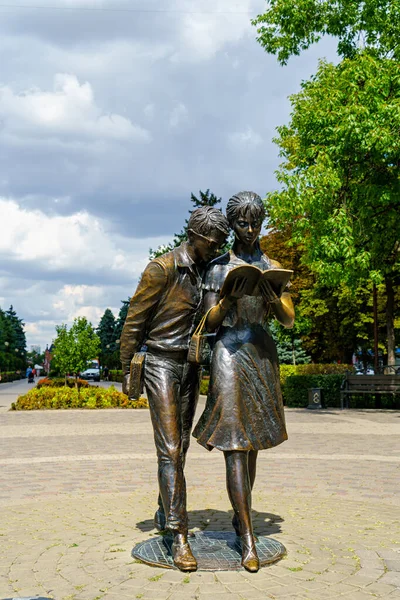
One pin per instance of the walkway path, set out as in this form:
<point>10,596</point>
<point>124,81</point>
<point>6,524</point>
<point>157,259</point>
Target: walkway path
<point>78,491</point>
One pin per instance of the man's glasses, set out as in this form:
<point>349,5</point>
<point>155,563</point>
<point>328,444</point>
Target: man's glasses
<point>211,243</point>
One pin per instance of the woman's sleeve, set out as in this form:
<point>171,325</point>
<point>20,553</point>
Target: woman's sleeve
<point>212,282</point>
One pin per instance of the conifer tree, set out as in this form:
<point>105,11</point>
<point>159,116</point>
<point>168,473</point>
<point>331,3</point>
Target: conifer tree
<point>206,198</point>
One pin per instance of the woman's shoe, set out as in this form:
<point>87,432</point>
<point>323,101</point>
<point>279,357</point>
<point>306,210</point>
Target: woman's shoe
<point>250,560</point>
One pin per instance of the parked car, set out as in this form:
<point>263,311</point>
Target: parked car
<point>367,371</point>
<point>91,374</point>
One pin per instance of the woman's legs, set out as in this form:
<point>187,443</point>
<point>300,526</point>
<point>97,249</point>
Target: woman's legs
<point>239,488</point>
<point>238,484</point>
<point>251,463</point>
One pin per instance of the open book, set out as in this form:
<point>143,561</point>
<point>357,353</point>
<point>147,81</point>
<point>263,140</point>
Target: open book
<point>278,278</point>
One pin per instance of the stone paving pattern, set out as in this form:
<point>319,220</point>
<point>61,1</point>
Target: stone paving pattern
<point>78,491</point>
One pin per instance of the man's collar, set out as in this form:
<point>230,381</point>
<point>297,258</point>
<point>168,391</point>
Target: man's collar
<point>183,259</point>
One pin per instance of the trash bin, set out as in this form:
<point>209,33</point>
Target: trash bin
<point>314,398</point>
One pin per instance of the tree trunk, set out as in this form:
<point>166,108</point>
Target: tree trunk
<point>65,379</point>
<point>391,344</point>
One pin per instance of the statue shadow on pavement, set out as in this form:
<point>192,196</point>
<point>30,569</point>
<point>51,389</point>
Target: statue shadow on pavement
<point>211,519</point>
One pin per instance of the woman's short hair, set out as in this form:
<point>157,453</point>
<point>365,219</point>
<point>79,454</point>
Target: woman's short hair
<point>206,220</point>
<point>244,204</point>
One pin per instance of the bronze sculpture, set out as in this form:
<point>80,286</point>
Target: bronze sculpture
<point>244,411</point>
<point>161,316</point>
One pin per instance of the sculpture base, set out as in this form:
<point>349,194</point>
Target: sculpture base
<point>213,550</point>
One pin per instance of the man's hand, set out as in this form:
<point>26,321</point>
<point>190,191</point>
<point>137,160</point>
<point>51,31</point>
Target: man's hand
<point>126,384</point>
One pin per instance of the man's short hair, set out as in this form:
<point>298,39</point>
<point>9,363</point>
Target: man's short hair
<point>207,221</point>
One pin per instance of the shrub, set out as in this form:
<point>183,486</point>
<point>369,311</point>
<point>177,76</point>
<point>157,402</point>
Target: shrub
<point>8,376</point>
<point>116,375</point>
<point>204,386</point>
<point>314,377</point>
<point>50,397</point>
<point>295,389</point>
<point>60,382</point>
<point>313,369</point>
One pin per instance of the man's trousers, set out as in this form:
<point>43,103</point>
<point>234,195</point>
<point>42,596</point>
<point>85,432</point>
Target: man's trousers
<point>172,386</point>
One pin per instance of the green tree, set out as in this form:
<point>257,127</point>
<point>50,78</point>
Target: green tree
<point>289,346</point>
<point>73,348</point>
<point>119,325</point>
<point>340,183</point>
<point>12,340</point>
<point>5,340</point>
<point>289,26</point>
<point>331,324</point>
<point>62,348</point>
<point>106,330</point>
<point>106,333</point>
<point>206,198</point>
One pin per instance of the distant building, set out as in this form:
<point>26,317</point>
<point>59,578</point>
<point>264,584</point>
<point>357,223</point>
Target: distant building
<point>47,359</point>
<point>35,348</point>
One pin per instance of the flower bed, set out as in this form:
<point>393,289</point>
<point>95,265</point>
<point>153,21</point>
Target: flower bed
<point>49,397</point>
<point>60,382</point>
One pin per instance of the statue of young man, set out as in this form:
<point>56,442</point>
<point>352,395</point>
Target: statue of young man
<point>162,316</point>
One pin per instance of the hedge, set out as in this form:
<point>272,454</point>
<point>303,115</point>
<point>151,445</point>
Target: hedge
<point>314,369</point>
<point>65,397</point>
<point>329,377</point>
<point>8,376</point>
<point>295,389</point>
<point>116,375</point>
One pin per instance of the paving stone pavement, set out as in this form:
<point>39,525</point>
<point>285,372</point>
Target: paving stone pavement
<point>78,491</point>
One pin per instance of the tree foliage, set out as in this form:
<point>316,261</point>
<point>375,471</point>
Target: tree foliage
<point>331,324</point>
<point>106,333</point>
<point>289,346</point>
<point>289,26</point>
<point>12,341</point>
<point>340,176</point>
<point>74,347</point>
<point>119,325</point>
<point>206,198</point>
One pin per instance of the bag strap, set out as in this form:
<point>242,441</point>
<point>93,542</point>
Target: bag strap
<point>200,327</point>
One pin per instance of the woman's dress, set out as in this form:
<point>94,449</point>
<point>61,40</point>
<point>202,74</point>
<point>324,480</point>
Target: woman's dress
<point>244,409</point>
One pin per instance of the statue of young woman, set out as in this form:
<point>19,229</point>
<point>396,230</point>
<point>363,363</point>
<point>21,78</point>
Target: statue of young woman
<point>244,411</point>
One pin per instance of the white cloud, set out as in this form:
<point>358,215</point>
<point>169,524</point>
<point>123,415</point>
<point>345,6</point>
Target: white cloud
<point>203,35</point>
<point>73,301</point>
<point>39,252</point>
<point>247,137</point>
<point>69,109</point>
<point>77,242</point>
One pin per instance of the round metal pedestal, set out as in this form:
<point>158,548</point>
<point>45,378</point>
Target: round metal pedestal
<point>213,550</point>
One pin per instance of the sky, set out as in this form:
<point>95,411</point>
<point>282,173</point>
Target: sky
<point>111,113</point>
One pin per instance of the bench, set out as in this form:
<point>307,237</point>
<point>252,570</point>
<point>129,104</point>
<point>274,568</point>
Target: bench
<point>354,385</point>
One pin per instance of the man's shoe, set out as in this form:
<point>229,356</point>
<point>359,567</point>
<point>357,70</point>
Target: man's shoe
<point>159,520</point>
<point>182,555</point>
